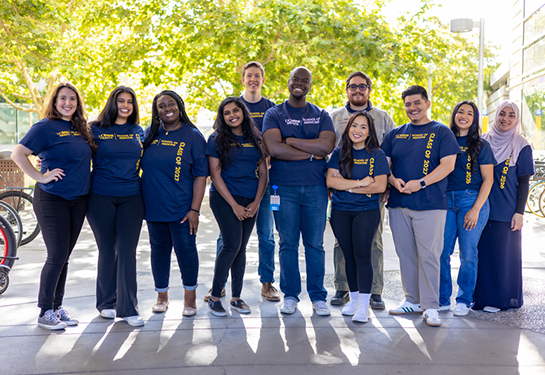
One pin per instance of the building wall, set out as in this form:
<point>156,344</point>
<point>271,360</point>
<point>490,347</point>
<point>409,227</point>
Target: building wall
<point>524,79</point>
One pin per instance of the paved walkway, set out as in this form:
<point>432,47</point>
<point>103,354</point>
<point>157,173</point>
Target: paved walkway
<point>264,342</point>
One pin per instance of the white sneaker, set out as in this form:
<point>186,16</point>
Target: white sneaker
<point>290,305</point>
<point>461,309</point>
<point>444,308</point>
<point>361,315</point>
<point>320,307</point>
<point>431,317</point>
<point>350,308</point>
<point>108,313</point>
<point>406,308</point>
<point>135,321</point>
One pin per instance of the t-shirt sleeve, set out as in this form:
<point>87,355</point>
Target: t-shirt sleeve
<point>381,163</point>
<point>36,139</point>
<point>386,145</point>
<point>140,132</point>
<point>211,146</point>
<point>334,159</point>
<point>486,156</point>
<point>327,122</point>
<point>270,121</point>
<point>449,145</point>
<point>198,153</point>
<point>525,162</point>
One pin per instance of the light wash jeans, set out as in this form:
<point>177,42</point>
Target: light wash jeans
<point>459,203</point>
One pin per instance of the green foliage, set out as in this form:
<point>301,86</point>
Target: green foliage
<point>198,48</point>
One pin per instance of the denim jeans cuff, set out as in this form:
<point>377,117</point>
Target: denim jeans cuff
<point>191,287</point>
<point>160,290</point>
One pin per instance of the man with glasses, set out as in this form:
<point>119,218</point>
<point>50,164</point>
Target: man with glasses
<point>358,90</point>
<point>298,135</point>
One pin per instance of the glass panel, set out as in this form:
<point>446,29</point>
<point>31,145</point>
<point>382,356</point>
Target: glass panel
<point>534,26</point>
<point>530,6</point>
<point>533,112</point>
<point>8,121</point>
<point>534,56</point>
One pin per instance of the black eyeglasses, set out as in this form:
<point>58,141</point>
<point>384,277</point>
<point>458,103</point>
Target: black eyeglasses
<point>354,87</point>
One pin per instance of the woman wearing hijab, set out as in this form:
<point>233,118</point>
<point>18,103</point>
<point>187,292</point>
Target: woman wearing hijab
<point>499,276</point>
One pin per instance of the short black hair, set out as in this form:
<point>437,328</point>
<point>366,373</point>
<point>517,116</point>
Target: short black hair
<point>362,75</point>
<point>415,90</point>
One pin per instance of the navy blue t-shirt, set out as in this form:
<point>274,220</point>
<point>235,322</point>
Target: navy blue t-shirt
<point>503,196</point>
<point>116,164</point>
<point>257,110</point>
<point>169,167</point>
<point>461,177</point>
<point>415,151</point>
<point>241,175</point>
<point>365,164</point>
<point>58,145</point>
<point>303,123</point>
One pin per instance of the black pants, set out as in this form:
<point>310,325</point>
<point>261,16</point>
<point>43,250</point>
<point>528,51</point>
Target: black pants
<point>355,231</point>
<point>235,235</point>
<point>116,223</point>
<point>61,221</point>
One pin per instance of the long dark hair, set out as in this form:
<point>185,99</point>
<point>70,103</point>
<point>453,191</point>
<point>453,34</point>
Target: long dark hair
<point>107,117</point>
<point>225,138</point>
<point>78,119</point>
<point>346,157</point>
<point>474,142</point>
<point>156,121</point>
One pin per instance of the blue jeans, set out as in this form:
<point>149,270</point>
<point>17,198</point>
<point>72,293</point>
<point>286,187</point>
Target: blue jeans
<point>459,203</point>
<point>265,236</point>
<point>165,235</point>
<point>302,212</point>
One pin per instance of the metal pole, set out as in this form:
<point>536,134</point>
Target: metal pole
<point>481,70</point>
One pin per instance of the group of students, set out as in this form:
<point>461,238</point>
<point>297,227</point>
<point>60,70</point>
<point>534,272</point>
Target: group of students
<point>160,175</point>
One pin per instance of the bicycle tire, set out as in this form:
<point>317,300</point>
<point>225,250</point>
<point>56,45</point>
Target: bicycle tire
<point>4,280</point>
<point>22,202</point>
<point>542,203</point>
<point>8,248</point>
<point>536,190</point>
<point>13,218</point>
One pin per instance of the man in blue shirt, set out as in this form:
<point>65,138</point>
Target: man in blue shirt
<point>298,135</point>
<point>422,153</point>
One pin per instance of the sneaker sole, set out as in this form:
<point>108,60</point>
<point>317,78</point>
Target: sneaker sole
<point>288,312</point>
<point>378,306</point>
<point>70,323</point>
<point>57,327</point>
<point>460,313</point>
<point>242,311</point>
<point>216,313</point>
<point>322,313</point>
<point>337,302</point>
<point>432,324</point>
<point>360,321</point>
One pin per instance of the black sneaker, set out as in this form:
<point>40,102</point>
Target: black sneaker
<point>340,298</point>
<point>376,302</point>
<point>240,306</point>
<point>216,308</point>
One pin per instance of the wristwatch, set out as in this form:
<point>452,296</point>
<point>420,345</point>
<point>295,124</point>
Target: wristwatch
<point>422,183</point>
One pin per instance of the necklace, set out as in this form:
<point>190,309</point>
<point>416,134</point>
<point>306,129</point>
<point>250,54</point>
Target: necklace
<point>171,130</point>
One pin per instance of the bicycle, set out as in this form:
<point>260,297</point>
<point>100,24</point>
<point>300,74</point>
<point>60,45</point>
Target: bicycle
<point>22,202</point>
<point>8,252</point>
<point>14,220</point>
<point>537,189</point>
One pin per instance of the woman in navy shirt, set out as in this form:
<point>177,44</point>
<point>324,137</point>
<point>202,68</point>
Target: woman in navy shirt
<point>238,168</point>
<point>63,143</point>
<point>468,209</point>
<point>116,208</point>
<point>499,278</point>
<point>358,172</point>
<point>175,168</point>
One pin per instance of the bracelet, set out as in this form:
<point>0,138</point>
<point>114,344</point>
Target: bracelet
<point>192,209</point>
<point>358,182</point>
<point>350,190</point>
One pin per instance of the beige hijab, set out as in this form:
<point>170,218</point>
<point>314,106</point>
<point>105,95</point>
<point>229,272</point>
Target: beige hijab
<point>506,144</point>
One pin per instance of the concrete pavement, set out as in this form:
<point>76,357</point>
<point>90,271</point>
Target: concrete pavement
<point>264,342</point>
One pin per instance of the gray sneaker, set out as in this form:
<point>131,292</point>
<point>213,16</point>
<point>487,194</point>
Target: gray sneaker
<point>320,308</point>
<point>51,321</point>
<point>290,305</point>
<point>65,317</point>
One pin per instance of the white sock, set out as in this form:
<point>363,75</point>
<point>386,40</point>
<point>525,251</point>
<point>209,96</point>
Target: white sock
<point>354,296</point>
<point>364,298</point>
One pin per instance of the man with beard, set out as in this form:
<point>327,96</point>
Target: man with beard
<point>298,135</point>
<point>358,90</point>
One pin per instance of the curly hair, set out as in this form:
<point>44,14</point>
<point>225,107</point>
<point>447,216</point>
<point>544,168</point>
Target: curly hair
<point>346,155</point>
<point>108,115</point>
<point>156,121</point>
<point>474,142</point>
<point>78,119</point>
<point>225,138</point>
